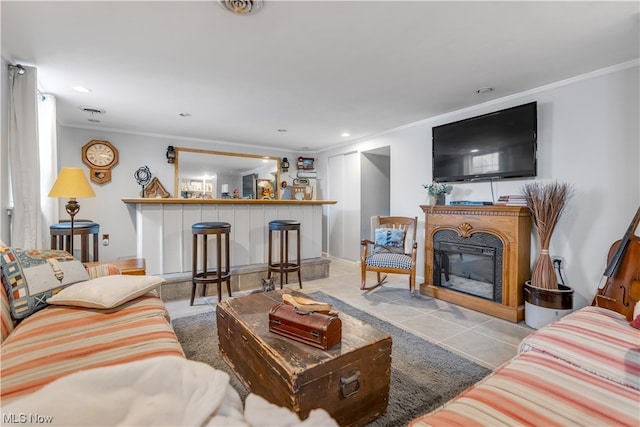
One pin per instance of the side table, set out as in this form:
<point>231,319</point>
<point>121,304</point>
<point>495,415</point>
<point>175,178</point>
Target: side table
<point>131,266</point>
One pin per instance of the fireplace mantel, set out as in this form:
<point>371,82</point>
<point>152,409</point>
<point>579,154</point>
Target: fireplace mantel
<point>510,224</point>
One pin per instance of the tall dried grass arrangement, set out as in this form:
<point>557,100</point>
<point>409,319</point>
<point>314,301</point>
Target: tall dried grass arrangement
<point>546,202</point>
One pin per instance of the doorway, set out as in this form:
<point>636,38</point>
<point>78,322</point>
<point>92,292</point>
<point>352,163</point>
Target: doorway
<point>375,184</point>
<point>361,183</point>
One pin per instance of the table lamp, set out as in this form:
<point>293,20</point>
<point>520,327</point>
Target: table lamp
<point>72,183</point>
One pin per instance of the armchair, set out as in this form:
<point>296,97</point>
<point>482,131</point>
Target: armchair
<point>393,251</point>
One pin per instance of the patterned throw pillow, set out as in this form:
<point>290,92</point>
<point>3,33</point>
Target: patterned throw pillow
<point>389,241</point>
<point>31,276</point>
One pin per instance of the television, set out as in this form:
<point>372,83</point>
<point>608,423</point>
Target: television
<point>502,144</point>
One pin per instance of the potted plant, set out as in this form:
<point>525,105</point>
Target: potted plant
<point>546,299</point>
<point>437,191</point>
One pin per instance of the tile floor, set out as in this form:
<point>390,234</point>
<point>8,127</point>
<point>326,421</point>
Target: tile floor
<point>487,340</point>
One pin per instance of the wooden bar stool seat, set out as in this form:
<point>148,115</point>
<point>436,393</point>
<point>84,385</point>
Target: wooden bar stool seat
<point>61,237</point>
<point>283,266</point>
<point>222,272</point>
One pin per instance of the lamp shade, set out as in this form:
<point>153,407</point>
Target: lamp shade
<point>72,183</point>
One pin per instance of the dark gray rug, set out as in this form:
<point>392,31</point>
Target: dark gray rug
<point>423,375</point>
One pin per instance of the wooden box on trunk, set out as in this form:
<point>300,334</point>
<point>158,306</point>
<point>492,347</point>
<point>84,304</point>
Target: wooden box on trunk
<point>349,380</point>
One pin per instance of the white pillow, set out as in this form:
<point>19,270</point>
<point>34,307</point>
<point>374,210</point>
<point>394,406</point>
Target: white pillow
<point>106,291</point>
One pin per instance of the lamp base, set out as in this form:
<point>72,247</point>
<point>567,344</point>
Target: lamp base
<point>73,207</point>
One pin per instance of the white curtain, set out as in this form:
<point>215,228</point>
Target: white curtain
<point>48,144</point>
<point>24,159</point>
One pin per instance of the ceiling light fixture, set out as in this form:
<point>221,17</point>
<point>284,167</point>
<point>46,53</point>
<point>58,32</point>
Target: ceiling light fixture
<point>345,134</point>
<point>92,110</point>
<point>241,7</point>
<point>484,90</point>
<point>81,89</point>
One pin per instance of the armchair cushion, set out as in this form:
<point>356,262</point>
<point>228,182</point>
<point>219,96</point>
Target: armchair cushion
<point>31,276</point>
<point>106,292</point>
<point>389,261</point>
<point>389,241</point>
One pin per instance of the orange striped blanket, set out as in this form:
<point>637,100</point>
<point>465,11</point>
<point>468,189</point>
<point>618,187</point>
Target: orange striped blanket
<point>61,340</point>
<point>582,370</point>
<point>595,339</point>
<point>536,389</point>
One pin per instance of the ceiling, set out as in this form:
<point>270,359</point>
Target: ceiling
<point>316,69</point>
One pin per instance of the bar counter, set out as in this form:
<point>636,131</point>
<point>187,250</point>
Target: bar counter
<point>164,238</point>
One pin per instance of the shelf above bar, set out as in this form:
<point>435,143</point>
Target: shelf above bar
<point>180,201</point>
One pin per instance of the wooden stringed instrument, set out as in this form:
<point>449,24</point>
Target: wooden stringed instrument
<point>619,289</point>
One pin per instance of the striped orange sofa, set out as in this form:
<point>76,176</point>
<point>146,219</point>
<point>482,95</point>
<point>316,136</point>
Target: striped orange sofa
<point>60,340</point>
<point>90,346</point>
<point>582,370</point>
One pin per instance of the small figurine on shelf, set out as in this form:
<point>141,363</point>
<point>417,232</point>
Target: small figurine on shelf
<point>142,176</point>
<point>236,194</point>
<point>225,191</point>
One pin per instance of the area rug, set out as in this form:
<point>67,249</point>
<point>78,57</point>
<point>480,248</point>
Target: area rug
<point>423,375</point>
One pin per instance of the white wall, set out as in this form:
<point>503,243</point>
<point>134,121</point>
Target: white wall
<point>588,135</point>
<point>115,217</point>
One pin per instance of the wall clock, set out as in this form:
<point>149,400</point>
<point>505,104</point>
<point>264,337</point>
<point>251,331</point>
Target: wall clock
<point>100,156</point>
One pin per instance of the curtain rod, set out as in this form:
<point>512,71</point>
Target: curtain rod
<point>19,67</point>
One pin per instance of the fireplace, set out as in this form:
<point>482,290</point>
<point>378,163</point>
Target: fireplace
<point>478,257</point>
<point>470,269</point>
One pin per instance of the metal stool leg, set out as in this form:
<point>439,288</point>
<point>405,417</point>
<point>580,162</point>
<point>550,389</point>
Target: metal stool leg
<point>219,266</point>
<point>205,245</point>
<point>299,266</point>
<point>194,267</point>
<point>227,264</point>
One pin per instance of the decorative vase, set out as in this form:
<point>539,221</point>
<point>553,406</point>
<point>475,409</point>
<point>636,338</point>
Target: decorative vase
<point>436,200</point>
<point>543,306</point>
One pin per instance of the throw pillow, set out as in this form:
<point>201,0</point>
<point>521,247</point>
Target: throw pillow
<point>389,241</point>
<point>31,276</point>
<point>106,291</point>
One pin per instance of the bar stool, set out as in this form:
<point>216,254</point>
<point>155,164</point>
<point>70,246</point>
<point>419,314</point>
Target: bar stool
<point>221,273</point>
<point>61,237</point>
<point>283,266</point>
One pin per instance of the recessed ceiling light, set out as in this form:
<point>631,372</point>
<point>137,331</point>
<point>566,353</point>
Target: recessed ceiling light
<point>346,134</point>
<point>81,89</point>
<point>184,114</point>
<point>475,150</point>
<point>485,90</point>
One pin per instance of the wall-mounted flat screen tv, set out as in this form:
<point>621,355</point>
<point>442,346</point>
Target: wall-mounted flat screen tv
<point>501,144</point>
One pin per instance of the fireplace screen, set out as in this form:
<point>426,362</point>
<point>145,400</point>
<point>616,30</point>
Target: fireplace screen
<point>466,268</point>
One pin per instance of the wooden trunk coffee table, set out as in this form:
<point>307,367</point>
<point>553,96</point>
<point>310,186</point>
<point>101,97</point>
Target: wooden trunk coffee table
<point>349,380</point>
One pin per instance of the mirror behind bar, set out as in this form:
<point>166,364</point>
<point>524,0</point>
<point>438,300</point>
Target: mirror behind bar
<point>205,174</point>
